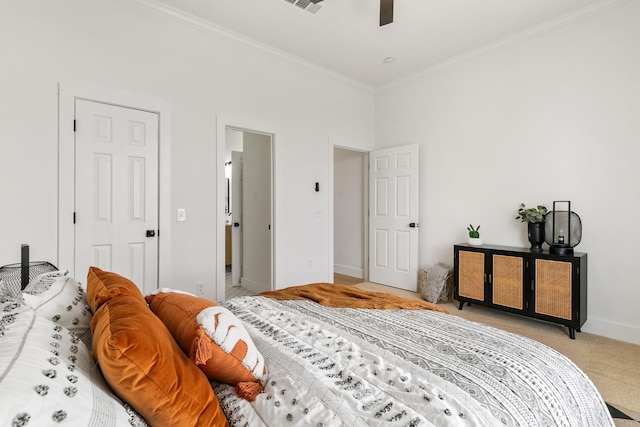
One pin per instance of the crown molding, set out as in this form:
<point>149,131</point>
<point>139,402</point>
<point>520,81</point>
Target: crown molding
<point>529,33</point>
<point>219,30</point>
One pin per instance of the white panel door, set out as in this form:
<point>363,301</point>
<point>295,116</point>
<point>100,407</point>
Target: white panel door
<point>236,215</point>
<point>256,212</point>
<point>393,217</point>
<point>116,194</point>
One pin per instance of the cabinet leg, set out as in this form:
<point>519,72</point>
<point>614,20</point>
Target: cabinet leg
<point>572,333</point>
<point>462,304</point>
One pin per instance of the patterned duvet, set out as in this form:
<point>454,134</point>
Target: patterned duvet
<point>363,367</point>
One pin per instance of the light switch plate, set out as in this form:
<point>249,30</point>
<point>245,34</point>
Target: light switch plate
<point>182,214</point>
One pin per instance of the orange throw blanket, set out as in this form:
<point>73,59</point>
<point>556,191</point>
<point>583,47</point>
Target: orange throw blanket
<point>345,296</point>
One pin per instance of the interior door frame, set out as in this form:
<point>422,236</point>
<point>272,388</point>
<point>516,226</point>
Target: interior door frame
<point>246,125</point>
<point>346,145</point>
<point>68,92</point>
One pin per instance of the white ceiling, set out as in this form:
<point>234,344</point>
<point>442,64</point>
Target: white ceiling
<point>344,36</point>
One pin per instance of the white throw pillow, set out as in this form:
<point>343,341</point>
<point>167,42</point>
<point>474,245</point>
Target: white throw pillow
<point>59,298</point>
<point>48,375</point>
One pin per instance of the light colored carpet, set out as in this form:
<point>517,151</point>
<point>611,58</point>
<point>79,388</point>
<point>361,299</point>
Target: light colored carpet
<point>613,366</point>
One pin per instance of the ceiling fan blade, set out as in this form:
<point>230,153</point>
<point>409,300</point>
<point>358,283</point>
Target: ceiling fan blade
<point>386,12</point>
<point>315,1</point>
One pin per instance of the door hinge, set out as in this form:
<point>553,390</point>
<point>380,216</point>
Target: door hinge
<point>74,217</point>
<point>74,125</point>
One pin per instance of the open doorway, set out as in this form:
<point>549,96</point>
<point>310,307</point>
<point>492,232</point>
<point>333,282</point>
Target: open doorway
<point>375,193</point>
<point>350,212</point>
<point>248,212</point>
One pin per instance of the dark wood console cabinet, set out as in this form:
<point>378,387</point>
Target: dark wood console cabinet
<point>540,285</point>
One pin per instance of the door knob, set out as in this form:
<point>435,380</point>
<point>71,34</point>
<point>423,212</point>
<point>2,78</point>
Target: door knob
<point>236,224</point>
<point>413,224</point>
<point>151,233</point>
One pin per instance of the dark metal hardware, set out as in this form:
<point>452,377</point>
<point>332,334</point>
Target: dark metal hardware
<point>151,233</point>
<point>413,224</point>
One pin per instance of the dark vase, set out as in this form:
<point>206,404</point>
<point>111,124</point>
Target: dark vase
<point>536,235</point>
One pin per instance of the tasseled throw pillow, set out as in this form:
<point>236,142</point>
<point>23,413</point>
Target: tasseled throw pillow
<point>214,338</point>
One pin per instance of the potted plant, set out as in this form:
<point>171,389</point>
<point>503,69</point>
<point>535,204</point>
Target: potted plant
<point>534,217</point>
<point>474,235</point>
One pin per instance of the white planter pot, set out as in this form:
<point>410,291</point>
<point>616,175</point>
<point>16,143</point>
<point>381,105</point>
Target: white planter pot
<point>475,241</point>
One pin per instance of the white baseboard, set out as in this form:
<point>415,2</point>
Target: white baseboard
<point>613,330</point>
<point>253,286</point>
<point>348,271</point>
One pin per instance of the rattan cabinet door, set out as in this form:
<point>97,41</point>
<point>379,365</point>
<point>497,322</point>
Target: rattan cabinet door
<point>508,281</point>
<point>553,290</point>
<point>471,275</point>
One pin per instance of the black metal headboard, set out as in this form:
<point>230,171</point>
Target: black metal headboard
<point>17,276</point>
<point>24,266</point>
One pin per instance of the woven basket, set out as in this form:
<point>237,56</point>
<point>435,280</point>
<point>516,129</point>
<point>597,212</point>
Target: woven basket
<point>435,284</point>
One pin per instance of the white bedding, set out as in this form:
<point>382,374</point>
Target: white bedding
<point>359,367</point>
<point>326,367</point>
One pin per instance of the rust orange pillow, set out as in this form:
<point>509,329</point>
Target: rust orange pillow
<point>104,285</point>
<point>215,340</point>
<point>145,367</point>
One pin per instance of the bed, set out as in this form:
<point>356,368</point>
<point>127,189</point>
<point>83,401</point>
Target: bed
<point>288,362</point>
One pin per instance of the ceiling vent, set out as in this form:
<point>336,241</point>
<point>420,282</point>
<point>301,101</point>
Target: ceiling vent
<point>306,5</point>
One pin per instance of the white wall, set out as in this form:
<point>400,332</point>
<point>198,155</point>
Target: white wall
<point>350,168</point>
<point>554,116</point>
<point>125,46</point>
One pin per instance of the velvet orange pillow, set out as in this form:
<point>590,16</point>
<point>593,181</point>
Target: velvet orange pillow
<point>104,285</point>
<point>215,340</point>
<point>145,367</point>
